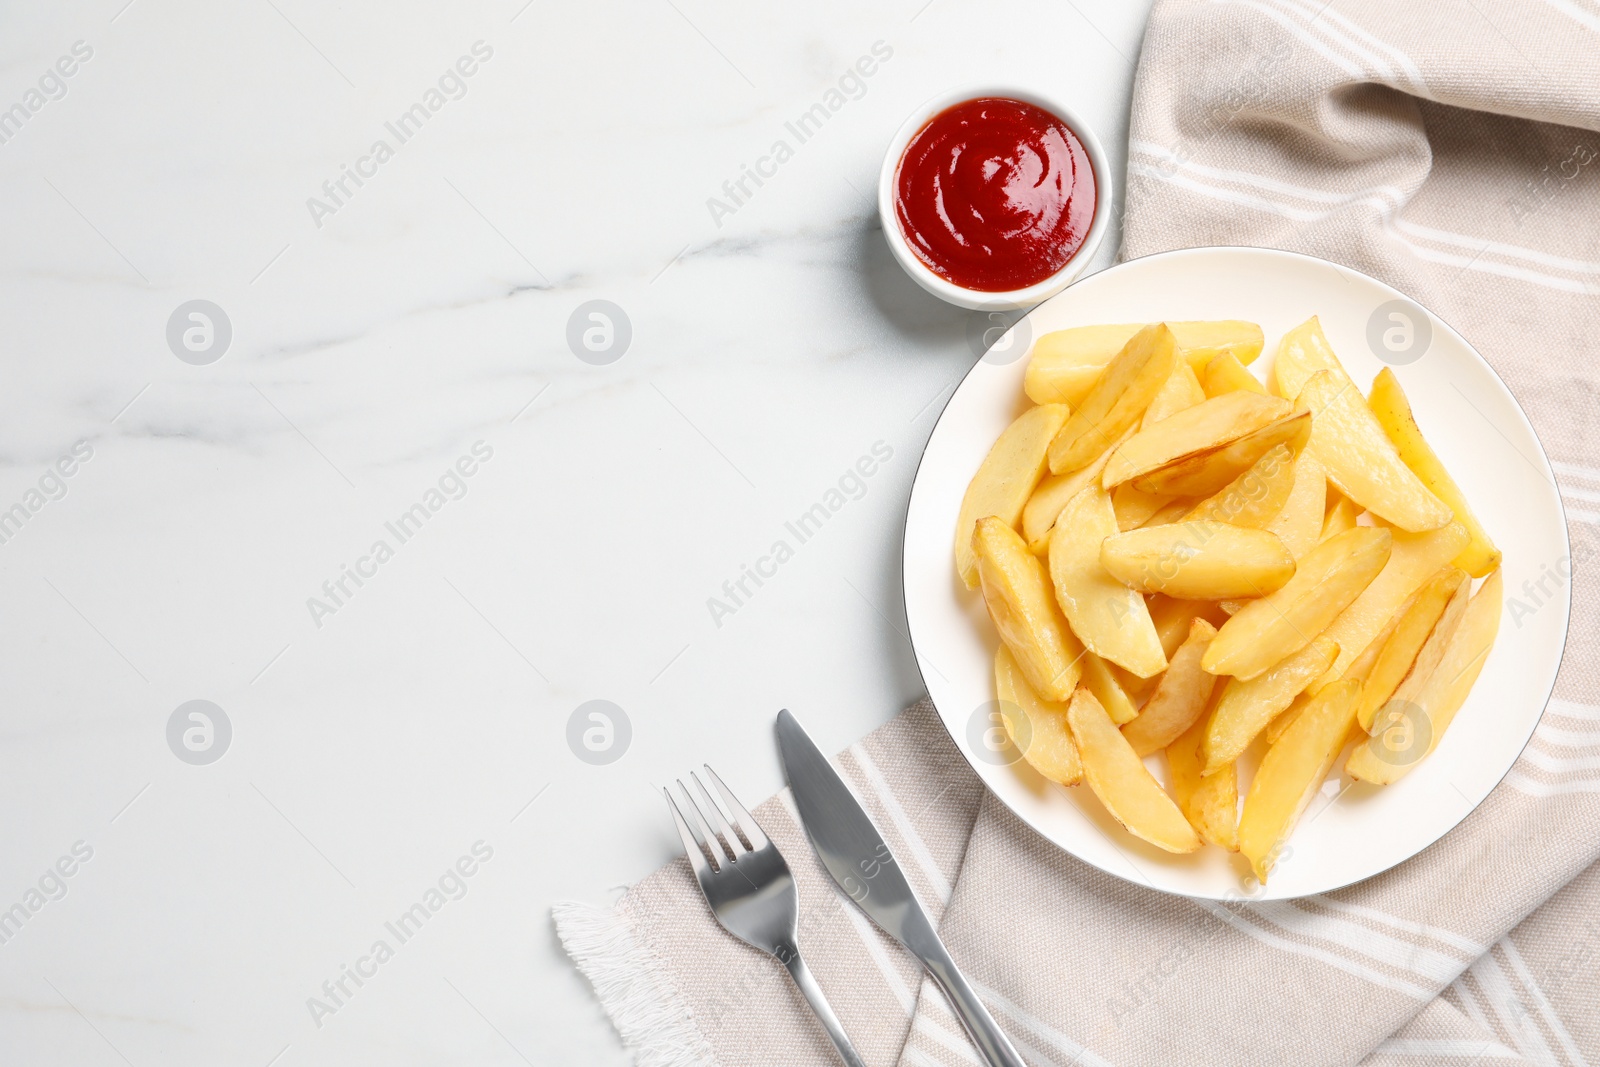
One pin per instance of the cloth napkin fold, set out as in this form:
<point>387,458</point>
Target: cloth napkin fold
<point>1452,150</point>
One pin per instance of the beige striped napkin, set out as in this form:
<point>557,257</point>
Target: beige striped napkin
<point>1451,149</point>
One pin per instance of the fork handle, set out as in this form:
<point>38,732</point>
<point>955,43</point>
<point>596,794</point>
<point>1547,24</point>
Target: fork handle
<point>789,954</point>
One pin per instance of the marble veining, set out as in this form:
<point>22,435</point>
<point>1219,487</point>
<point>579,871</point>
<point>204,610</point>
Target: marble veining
<point>432,711</point>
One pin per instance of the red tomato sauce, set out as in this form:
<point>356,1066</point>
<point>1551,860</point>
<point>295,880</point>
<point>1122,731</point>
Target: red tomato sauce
<point>995,194</point>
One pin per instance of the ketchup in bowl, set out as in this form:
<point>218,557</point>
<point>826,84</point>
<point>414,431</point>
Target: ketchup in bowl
<point>995,194</point>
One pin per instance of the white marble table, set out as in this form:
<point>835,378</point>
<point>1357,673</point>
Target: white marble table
<point>389,332</point>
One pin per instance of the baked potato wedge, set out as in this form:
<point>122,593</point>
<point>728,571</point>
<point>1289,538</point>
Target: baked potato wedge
<point>1181,390</point>
<point>1109,618</point>
<point>1245,708</point>
<point>1299,522</point>
<point>1302,352</point>
<point>1201,341</point>
<point>1328,580</point>
<point>1209,802</point>
<point>1256,497</point>
<point>1393,412</point>
<point>1225,374</point>
<point>1122,782</point>
<point>1397,746</point>
<point>1357,671</point>
<point>1134,507</point>
<point>1017,593</point>
<point>1341,515</point>
<point>1415,625</point>
<point>1118,399</point>
<point>1292,771</point>
<point>1037,727</point>
<point>1172,618</point>
<point>1286,719</point>
<point>1206,472</point>
<point>1180,698</point>
<point>1169,513</point>
<point>1413,559</point>
<point>1100,678</point>
<point>1360,459</point>
<point>1064,364</point>
<point>1039,514</point>
<point>1193,431</point>
<point>1006,479</point>
<point>1198,560</point>
<point>1428,656</point>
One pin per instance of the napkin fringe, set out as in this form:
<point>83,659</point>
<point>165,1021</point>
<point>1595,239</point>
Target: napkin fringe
<point>650,1015</point>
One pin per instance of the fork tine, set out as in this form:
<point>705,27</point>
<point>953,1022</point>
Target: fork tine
<point>691,843</point>
<point>742,819</point>
<point>715,816</point>
<point>697,819</point>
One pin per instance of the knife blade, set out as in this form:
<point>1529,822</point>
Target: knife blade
<point>855,854</point>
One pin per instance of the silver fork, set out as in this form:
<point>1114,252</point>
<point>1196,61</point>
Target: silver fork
<point>750,890</point>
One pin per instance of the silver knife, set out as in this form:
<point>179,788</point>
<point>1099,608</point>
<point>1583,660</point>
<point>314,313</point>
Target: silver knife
<point>855,854</point>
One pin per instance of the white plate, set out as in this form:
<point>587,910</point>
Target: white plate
<point>1468,416</point>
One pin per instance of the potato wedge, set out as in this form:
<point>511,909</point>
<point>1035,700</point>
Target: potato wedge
<point>1211,802</point>
<point>1169,513</point>
<point>1299,522</point>
<point>1134,508</point>
<point>1036,726</point>
<point>1414,559</point>
<point>1291,773</point>
<point>1225,374</point>
<point>1302,352</point>
<point>1328,580</point>
<point>1360,668</point>
<point>1244,709</point>
<point>1109,618</point>
<point>1172,619</point>
<point>1393,412</point>
<point>1180,698</point>
<point>1427,659</point>
<point>1135,687</point>
<point>1397,747</point>
<point>1414,622</point>
<point>1360,459</point>
<point>1192,431</point>
<point>1198,560</point>
<point>1256,497</point>
<point>1341,516</point>
<point>1206,472</point>
<point>1200,342</point>
<point>1039,514</point>
<point>1117,400</point>
<point>1285,720</point>
<point>1119,778</point>
<point>1064,364</point>
<point>1181,390</point>
<point>1099,679</point>
<point>1358,671</point>
<point>1005,479</point>
<point>1016,591</point>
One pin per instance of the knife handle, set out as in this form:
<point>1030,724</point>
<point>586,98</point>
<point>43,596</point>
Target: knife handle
<point>820,1006</point>
<point>992,1042</point>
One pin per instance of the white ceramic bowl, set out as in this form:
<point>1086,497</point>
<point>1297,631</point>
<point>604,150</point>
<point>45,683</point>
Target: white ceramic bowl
<point>975,298</point>
<point>1473,423</point>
